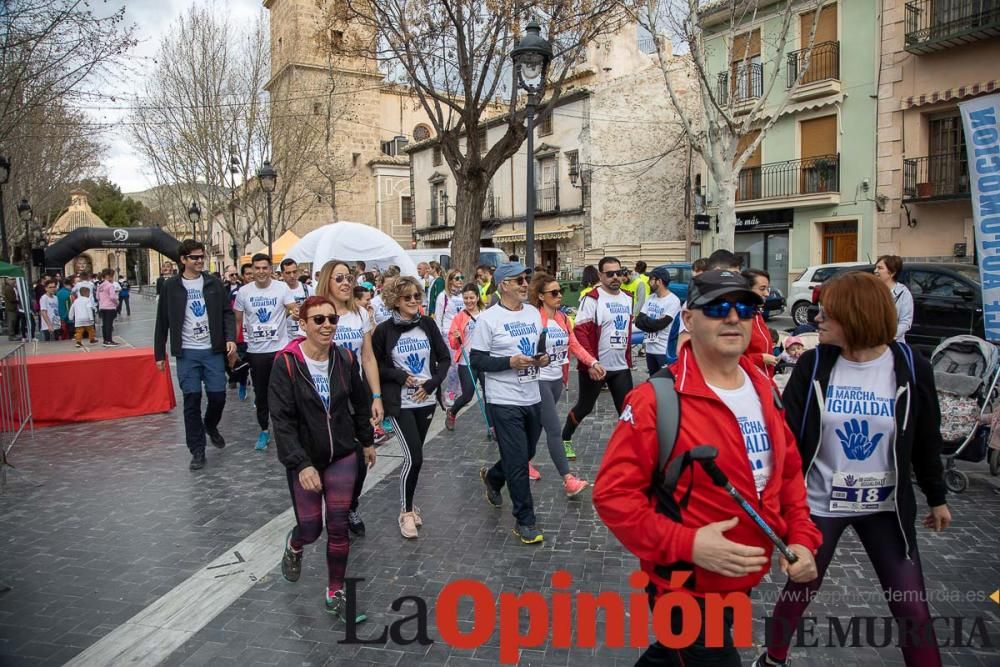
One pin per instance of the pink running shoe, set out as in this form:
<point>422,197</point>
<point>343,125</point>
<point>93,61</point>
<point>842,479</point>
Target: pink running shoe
<point>533,474</point>
<point>573,485</point>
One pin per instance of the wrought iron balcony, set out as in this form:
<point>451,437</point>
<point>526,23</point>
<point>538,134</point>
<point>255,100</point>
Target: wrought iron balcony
<point>824,64</point>
<point>936,177</point>
<point>435,216</point>
<point>745,85</point>
<point>491,208</point>
<point>547,199</point>
<point>792,178</point>
<point>933,25</point>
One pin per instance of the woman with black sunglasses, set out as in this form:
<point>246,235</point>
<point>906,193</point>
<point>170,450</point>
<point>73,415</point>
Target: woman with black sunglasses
<point>319,407</point>
<point>413,361</point>
<point>449,302</point>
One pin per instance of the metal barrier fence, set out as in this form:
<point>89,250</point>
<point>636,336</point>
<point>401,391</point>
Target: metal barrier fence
<point>15,407</point>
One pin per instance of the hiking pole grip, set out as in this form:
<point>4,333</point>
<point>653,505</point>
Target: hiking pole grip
<point>719,479</point>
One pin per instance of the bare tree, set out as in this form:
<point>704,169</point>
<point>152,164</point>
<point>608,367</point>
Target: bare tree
<point>716,135</point>
<point>50,50</point>
<point>455,56</point>
<point>205,105</point>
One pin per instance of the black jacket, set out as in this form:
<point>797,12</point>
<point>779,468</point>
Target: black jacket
<point>918,425</point>
<point>392,379</point>
<point>305,431</point>
<point>172,305</point>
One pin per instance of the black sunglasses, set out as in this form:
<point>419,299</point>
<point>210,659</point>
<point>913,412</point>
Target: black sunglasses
<point>554,292</point>
<point>521,280</point>
<point>459,277</point>
<point>409,297</point>
<point>319,319</point>
<point>196,258</point>
<point>622,273</point>
<point>341,277</point>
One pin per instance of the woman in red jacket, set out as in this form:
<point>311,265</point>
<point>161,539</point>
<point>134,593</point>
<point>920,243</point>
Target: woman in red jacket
<point>761,348</point>
<point>459,338</point>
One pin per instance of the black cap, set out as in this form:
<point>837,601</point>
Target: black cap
<point>711,285</point>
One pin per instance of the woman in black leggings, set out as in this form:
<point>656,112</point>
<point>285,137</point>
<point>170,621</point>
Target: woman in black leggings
<point>413,361</point>
<point>459,338</point>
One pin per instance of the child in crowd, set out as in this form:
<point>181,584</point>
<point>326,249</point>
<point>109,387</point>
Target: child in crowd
<point>793,350</point>
<point>81,314</point>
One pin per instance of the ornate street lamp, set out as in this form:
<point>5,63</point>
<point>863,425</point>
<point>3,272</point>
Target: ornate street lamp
<point>268,178</point>
<point>531,57</point>
<point>4,177</point>
<point>194,215</point>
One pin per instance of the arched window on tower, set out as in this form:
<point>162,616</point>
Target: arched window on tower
<point>421,132</point>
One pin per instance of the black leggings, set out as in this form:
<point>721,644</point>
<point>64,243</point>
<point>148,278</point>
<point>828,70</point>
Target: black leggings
<point>107,324</point>
<point>411,428</point>
<point>619,383</point>
<point>260,372</point>
<point>468,388</point>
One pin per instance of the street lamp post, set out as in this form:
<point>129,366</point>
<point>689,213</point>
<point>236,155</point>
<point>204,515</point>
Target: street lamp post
<point>531,59</point>
<point>24,214</point>
<point>234,168</point>
<point>4,177</point>
<point>268,178</point>
<point>194,215</point>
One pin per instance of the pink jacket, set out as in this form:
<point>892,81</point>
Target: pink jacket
<point>107,297</point>
<point>576,348</point>
<point>457,333</point>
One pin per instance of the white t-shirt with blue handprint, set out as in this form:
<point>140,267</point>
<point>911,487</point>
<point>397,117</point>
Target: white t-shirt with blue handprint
<point>504,333</point>
<point>854,470</point>
<point>745,406</point>
<point>194,331</point>
<point>319,371</point>
<point>265,315</point>
<point>613,314</point>
<point>351,330</point>
<point>412,355</point>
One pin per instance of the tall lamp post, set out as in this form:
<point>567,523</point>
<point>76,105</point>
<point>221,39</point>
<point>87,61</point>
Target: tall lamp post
<point>234,168</point>
<point>531,57</point>
<point>4,177</point>
<point>194,215</point>
<point>24,214</point>
<point>268,178</point>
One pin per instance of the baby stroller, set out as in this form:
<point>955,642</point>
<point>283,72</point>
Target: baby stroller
<point>966,370</point>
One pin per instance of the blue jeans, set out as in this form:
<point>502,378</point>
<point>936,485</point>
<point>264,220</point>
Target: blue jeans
<point>194,368</point>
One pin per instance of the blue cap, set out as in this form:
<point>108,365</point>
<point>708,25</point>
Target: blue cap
<point>509,270</point>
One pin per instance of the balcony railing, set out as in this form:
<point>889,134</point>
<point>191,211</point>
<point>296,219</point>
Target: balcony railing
<point>815,175</point>
<point>932,25</point>
<point>746,83</point>
<point>824,63</point>
<point>491,208</point>
<point>435,216</point>
<point>941,176</point>
<point>546,199</point>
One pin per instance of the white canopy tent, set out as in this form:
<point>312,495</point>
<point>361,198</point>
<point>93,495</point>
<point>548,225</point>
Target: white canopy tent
<point>351,241</point>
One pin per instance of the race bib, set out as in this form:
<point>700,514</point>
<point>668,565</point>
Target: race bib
<point>652,336</point>
<point>200,331</point>
<point>619,341</point>
<point>561,358</point>
<point>863,492</point>
<point>263,332</point>
<point>529,374</point>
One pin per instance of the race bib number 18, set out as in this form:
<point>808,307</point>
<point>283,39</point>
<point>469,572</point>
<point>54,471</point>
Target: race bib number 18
<point>863,492</point>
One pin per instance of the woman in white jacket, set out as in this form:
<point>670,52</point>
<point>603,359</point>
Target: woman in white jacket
<point>887,268</point>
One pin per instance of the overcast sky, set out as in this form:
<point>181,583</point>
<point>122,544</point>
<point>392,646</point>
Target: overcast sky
<point>153,19</point>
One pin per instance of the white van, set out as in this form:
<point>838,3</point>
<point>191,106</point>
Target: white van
<point>491,256</point>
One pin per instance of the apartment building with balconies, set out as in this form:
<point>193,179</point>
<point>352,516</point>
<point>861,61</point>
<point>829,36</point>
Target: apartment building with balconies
<point>934,54</point>
<point>806,194</point>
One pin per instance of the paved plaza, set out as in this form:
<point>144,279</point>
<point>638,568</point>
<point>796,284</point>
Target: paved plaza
<point>123,555</point>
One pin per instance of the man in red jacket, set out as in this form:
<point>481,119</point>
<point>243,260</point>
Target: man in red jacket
<point>725,401</point>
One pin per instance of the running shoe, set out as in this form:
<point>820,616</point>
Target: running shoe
<point>355,524</point>
<point>528,534</point>
<point>387,426</point>
<point>242,392</point>
<point>291,562</point>
<point>568,448</point>
<point>492,495</point>
<point>573,485</point>
<point>79,344</point>
<point>449,420</point>
<point>416,516</point>
<point>533,473</point>
<point>381,437</point>
<point>262,440</point>
<point>216,438</point>
<point>763,661</point>
<point>336,604</point>
<point>408,525</point>
<point>197,461</point>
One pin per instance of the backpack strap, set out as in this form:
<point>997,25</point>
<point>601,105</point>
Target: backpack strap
<point>668,419</point>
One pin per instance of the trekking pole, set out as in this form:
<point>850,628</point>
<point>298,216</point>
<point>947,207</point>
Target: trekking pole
<point>705,455</point>
<point>490,434</point>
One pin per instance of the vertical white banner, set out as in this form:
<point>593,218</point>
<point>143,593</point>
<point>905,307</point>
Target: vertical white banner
<point>981,118</point>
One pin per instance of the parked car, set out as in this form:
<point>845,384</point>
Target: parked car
<point>801,290</point>
<point>947,301</point>
<point>680,276</point>
<point>774,304</point>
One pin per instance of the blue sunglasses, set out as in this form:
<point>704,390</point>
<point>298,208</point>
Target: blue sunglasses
<point>720,309</point>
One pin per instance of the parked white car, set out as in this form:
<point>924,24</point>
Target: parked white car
<point>800,291</point>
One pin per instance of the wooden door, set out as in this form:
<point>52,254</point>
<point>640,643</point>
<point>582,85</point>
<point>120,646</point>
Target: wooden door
<point>840,242</point>
<point>818,149</point>
<point>823,63</point>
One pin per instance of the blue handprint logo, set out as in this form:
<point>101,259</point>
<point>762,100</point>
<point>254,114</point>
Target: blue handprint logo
<point>263,315</point>
<point>198,308</point>
<point>850,480</point>
<point>855,440</point>
<point>526,347</point>
<point>414,363</point>
<point>621,323</point>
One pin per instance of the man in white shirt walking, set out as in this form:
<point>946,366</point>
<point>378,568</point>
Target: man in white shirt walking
<point>290,276</point>
<point>655,318</point>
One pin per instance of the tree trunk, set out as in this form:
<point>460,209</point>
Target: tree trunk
<point>469,202</point>
<point>726,190</point>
